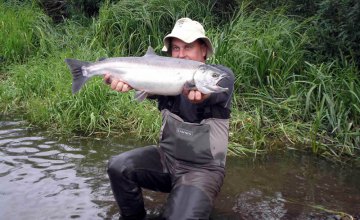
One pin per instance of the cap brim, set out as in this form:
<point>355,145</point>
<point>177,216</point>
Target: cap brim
<point>166,41</point>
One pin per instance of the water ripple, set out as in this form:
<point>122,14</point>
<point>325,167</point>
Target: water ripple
<point>43,172</point>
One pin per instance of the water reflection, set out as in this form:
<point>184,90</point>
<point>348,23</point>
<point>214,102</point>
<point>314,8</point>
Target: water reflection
<point>50,178</point>
<point>289,186</point>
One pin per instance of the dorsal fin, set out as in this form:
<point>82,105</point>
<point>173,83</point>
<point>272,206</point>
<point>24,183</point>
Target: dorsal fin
<point>150,52</point>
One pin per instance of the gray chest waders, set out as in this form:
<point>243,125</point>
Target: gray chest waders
<point>188,164</point>
<point>195,155</point>
<point>198,143</point>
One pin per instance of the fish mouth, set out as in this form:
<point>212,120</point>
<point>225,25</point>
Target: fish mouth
<point>219,80</point>
<point>219,88</point>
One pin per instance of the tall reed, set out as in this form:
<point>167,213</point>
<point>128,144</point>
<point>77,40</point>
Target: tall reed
<point>265,51</point>
<point>130,26</point>
<point>332,106</point>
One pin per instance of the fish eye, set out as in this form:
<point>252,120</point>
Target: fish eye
<point>215,75</point>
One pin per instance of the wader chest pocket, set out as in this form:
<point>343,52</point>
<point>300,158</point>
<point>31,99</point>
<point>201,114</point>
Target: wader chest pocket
<point>186,141</point>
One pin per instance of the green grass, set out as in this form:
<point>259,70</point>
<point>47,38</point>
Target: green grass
<point>20,35</point>
<point>281,100</point>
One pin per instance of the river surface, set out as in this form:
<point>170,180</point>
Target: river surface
<point>43,177</point>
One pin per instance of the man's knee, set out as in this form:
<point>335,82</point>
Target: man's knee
<point>125,163</point>
<point>117,166</point>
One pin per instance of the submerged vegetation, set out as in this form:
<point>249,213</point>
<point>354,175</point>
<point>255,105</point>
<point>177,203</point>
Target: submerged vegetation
<point>284,96</point>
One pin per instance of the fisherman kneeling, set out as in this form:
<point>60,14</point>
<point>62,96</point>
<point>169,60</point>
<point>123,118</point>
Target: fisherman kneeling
<point>189,161</point>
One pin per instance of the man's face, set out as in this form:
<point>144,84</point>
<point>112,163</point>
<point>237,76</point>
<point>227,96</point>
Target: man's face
<point>190,51</point>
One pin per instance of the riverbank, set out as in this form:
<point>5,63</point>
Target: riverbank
<point>284,98</point>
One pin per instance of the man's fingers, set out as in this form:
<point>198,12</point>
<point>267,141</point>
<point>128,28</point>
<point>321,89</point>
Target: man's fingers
<point>119,86</point>
<point>197,96</point>
<point>107,78</point>
<point>125,87</point>
<point>191,95</point>
<point>194,95</point>
<point>114,84</point>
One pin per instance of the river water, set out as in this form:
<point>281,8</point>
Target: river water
<point>43,177</point>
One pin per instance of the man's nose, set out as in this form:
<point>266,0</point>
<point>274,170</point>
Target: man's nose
<point>181,53</point>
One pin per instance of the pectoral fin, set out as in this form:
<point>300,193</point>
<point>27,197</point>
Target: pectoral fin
<point>189,86</point>
<point>140,95</point>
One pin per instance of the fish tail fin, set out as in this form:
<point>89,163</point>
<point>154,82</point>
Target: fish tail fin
<point>76,70</point>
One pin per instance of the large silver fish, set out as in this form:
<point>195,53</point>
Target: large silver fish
<point>151,74</point>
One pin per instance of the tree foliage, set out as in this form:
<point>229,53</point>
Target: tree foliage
<point>339,29</point>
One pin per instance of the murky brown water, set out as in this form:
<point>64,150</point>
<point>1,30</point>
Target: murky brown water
<point>43,177</point>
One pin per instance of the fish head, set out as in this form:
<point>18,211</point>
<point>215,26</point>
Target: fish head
<point>206,79</point>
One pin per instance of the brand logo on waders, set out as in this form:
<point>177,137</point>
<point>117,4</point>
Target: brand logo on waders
<point>184,132</point>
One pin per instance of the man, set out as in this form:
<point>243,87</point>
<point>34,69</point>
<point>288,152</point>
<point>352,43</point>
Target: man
<point>189,161</point>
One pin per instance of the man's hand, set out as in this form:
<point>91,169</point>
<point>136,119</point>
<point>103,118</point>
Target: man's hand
<point>195,96</point>
<point>116,84</point>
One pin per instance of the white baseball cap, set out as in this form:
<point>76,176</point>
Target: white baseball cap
<point>188,31</point>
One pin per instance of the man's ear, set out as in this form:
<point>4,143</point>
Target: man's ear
<point>203,50</point>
